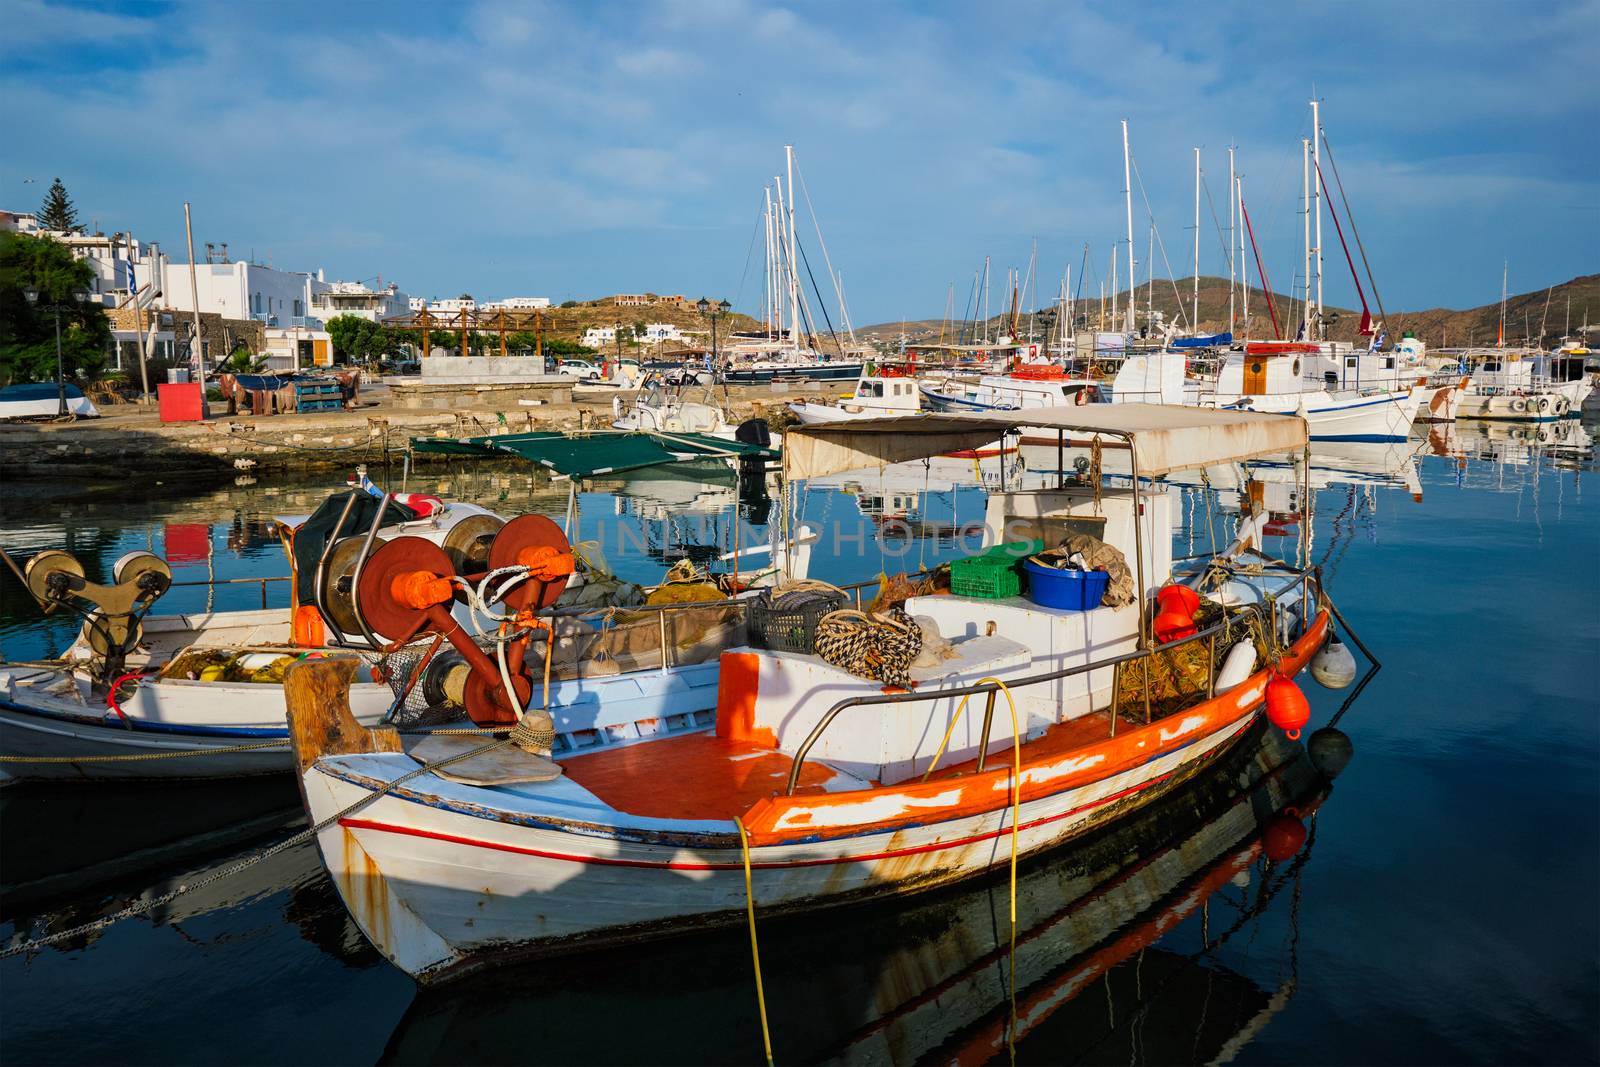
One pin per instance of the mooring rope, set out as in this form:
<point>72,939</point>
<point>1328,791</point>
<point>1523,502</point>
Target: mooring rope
<point>755,948</point>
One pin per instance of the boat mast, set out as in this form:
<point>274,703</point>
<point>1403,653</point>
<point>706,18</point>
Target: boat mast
<point>794,285</point>
<point>1150,283</point>
<point>985,299</point>
<point>1505,274</point>
<point>1244,264</point>
<point>780,259</point>
<point>1316,193</point>
<point>1127,196</point>
<point>767,298</point>
<point>1232,267</point>
<point>1116,319</point>
<point>1305,211</point>
<point>1196,323</point>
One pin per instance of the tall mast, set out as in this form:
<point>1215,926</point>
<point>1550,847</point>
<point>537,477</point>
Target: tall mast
<point>780,258</point>
<point>1196,323</point>
<point>986,299</point>
<point>1150,283</point>
<point>1244,264</point>
<point>1066,295</point>
<point>1116,320</point>
<point>1127,196</point>
<point>766,299</point>
<point>1305,211</point>
<point>1232,267</point>
<point>794,279</point>
<point>1316,194</point>
<point>1505,274</point>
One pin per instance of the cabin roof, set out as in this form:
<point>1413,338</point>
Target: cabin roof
<point>1165,438</point>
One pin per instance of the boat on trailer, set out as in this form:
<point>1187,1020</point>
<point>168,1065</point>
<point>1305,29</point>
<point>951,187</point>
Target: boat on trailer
<point>831,784</point>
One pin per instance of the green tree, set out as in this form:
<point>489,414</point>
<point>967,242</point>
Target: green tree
<point>27,331</point>
<point>357,339</point>
<point>57,212</point>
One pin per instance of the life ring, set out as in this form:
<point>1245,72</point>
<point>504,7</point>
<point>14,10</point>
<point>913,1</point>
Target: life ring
<point>1081,397</point>
<point>1518,404</point>
<point>1563,405</point>
<point>1544,404</point>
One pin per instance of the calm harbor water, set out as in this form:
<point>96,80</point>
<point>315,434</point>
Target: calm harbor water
<point>1444,906</point>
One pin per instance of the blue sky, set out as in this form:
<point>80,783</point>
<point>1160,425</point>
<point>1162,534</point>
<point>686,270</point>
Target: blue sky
<point>575,150</point>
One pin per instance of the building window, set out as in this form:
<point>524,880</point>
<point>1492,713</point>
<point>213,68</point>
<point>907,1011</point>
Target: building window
<point>299,309</point>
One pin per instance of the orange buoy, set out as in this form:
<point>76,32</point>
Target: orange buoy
<point>307,629</point>
<point>1178,599</point>
<point>1287,707</point>
<point>1172,626</point>
<point>1283,836</point>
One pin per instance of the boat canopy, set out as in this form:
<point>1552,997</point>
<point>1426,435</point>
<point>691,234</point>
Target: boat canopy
<point>1165,438</point>
<point>586,455</point>
<point>1214,341</point>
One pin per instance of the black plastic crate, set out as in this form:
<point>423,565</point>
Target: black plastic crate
<point>788,622</point>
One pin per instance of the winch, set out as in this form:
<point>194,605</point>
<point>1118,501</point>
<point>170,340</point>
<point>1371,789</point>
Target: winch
<point>408,585</point>
<point>113,627</point>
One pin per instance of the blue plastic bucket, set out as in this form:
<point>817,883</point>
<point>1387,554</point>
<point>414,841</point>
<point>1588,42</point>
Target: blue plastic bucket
<point>1070,590</point>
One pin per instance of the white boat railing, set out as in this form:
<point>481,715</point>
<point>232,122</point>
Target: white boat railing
<point>1307,577</point>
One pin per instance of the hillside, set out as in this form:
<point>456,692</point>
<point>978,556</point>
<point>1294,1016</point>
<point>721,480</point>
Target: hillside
<point>570,323</point>
<point>1437,326</point>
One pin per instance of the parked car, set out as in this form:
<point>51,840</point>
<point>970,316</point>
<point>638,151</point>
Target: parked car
<point>581,369</point>
<point>400,366</point>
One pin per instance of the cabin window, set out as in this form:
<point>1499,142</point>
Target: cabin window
<point>871,388</point>
<point>1296,369</point>
<point>1388,363</point>
<point>1350,363</point>
<point>1491,366</point>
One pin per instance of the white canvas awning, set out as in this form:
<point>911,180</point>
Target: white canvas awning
<point>1165,438</point>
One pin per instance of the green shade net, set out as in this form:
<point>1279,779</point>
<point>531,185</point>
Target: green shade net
<point>588,455</point>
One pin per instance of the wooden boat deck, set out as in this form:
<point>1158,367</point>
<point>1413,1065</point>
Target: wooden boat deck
<point>703,776</point>
<point>695,776</point>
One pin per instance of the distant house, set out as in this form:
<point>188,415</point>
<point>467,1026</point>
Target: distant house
<point>354,298</point>
<point>631,300</point>
<point>518,303</point>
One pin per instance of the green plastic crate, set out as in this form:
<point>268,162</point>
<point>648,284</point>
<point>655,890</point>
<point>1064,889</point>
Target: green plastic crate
<point>996,574</point>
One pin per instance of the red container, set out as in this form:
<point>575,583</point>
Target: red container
<point>182,403</point>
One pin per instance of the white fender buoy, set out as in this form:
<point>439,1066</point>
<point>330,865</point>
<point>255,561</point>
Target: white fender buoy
<point>1288,624</point>
<point>1334,667</point>
<point>616,407</point>
<point>1237,665</point>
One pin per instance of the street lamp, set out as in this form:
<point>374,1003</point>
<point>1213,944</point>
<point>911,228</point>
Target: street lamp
<point>79,296</point>
<point>713,312</point>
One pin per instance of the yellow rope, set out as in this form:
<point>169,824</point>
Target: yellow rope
<point>755,951</point>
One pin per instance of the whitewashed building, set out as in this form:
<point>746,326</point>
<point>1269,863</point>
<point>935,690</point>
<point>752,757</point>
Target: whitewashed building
<point>518,303</point>
<point>354,298</point>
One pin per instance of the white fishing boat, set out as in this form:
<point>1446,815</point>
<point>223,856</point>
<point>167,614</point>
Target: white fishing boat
<point>831,786</point>
<point>1512,386</point>
<point>887,389</point>
<point>199,695</point>
<point>1271,376</point>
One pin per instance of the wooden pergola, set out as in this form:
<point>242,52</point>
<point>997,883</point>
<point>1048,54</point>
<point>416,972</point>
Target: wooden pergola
<point>469,321</point>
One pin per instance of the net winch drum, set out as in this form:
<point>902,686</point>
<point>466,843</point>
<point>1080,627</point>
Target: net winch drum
<point>338,582</point>
<point>407,587</point>
<point>113,628</point>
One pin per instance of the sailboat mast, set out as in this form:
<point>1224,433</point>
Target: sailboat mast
<point>767,296</point>
<point>986,299</point>
<point>1305,211</point>
<point>1116,319</point>
<point>794,282</point>
<point>1150,284</point>
<point>1232,263</point>
<point>1244,264</point>
<point>780,259</point>
<point>1316,193</point>
<point>1505,274</point>
<point>1196,323</point>
<point>1127,196</point>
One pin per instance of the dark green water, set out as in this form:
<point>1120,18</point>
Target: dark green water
<point>1445,906</point>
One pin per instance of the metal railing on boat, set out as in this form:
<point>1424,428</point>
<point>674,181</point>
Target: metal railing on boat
<point>1305,576</point>
<point>212,582</point>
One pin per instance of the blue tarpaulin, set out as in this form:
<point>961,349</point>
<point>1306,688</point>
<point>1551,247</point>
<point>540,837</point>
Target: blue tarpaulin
<point>1213,341</point>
